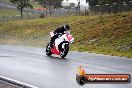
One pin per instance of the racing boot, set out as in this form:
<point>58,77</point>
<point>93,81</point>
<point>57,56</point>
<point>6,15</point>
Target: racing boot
<point>51,44</point>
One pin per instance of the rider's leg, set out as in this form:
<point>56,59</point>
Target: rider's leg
<point>53,39</point>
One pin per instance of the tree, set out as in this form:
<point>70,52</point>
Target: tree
<point>92,2</point>
<point>21,4</point>
<point>102,2</point>
<point>50,3</point>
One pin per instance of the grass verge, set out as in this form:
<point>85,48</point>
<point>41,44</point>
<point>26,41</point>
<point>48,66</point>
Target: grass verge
<point>8,12</point>
<point>107,34</point>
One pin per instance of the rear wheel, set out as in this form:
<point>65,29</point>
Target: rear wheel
<point>64,51</point>
<point>48,50</point>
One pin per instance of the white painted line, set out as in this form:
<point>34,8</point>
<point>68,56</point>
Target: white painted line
<point>15,82</point>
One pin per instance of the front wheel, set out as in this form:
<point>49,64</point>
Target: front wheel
<point>64,51</point>
<point>48,50</point>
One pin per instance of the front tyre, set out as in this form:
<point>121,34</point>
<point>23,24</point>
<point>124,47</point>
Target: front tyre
<point>48,50</point>
<point>64,51</point>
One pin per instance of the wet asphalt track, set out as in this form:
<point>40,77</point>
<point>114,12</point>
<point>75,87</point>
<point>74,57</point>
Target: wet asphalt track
<point>31,65</point>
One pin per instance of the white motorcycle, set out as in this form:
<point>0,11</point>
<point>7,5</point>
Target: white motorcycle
<point>61,45</point>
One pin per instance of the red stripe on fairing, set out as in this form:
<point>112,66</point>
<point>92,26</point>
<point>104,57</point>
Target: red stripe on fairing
<point>55,51</point>
<point>68,37</point>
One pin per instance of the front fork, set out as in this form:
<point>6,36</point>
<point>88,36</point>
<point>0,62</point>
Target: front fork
<point>63,45</point>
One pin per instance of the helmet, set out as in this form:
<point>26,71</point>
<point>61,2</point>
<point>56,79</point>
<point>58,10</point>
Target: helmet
<point>66,27</point>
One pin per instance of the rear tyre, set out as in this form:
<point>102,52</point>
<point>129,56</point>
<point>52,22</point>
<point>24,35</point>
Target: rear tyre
<point>64,51</point>
<point>48,50</point>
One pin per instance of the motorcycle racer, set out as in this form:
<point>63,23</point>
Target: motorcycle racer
<point>59,31</point>
<point>61,44</point>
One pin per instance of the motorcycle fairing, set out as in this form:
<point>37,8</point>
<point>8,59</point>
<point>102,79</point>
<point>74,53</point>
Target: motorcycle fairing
<point>55,51</point>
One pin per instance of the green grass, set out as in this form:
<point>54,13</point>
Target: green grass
<point>14,12</point>
<point>99,34</point>
<point>8,12</point>
<point>31,32</point>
